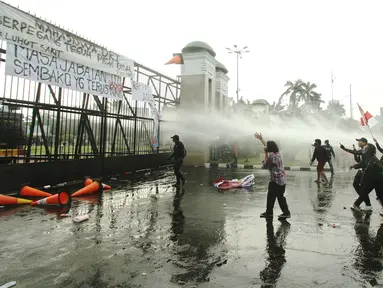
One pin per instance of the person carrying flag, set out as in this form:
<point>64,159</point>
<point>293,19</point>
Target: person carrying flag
<point>369,177</point>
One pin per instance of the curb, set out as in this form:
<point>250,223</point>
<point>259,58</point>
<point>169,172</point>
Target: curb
<point>257,167</point>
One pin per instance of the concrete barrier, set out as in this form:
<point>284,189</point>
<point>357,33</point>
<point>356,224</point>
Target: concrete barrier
<point>256,167</point>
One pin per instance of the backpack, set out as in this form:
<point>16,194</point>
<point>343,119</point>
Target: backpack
<point>184,153</point>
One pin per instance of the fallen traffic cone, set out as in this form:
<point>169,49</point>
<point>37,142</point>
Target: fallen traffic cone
<point>106,187</point>
<point>89,181</point>
<point>61,198</point>
<point>9,200</point>
<point>91,188</point>
<point>32,192</point>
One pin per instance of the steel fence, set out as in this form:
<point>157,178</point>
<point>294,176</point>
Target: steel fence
<point>41,122</point>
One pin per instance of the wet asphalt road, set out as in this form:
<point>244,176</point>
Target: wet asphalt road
<point>148,234</point>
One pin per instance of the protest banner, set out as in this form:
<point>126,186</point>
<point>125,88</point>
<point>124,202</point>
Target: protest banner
<point>40,67</point>
<point>25,30</point>
<point>142,92</point>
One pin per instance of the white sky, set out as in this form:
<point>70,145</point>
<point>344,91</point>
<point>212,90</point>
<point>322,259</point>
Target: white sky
<point>288,39</point>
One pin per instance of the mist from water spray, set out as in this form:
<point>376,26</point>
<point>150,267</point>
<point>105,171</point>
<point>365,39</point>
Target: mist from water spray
<point>203,128</point>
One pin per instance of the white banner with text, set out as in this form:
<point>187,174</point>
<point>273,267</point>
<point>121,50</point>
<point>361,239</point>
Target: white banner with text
<point>40,67</point>
<point>25,30</point>
<point>141,92</point>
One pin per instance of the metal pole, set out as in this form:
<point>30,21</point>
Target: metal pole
<point>239,53</point>
<point>237,77</point>
<point>332,86</point>
<point>351,116</point>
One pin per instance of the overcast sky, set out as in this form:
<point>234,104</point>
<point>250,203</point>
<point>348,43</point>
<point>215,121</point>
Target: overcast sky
<point>288,39</point>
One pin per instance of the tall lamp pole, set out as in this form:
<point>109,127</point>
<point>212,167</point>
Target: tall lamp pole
<point>239,53</point>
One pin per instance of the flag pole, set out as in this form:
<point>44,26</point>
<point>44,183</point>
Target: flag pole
<point>369,129</point>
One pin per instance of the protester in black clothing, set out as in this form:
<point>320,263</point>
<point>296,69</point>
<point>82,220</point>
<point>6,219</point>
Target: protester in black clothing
<point>357,181</point>
<point>178,155</point>
<point>380,149</point>
<point>330,155</point>
<point>369,170</point>
<point>320,155</point>
<point>379,184</point>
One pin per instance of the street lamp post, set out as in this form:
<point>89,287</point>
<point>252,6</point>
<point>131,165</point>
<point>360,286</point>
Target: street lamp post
<point>239,53</point>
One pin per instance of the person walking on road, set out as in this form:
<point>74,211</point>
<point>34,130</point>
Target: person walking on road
<point>277,184</point>
<point>320,155</point>
<point>330,155</point>
<point>178,154</point>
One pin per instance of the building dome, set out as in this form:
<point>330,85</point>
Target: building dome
<point>261,102</point>
<point>197,46</point>
<point>221,67</point>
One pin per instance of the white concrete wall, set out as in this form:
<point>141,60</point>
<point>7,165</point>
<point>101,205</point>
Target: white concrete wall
<point>199,64</point>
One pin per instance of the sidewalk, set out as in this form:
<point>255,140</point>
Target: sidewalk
<point>242,166</point>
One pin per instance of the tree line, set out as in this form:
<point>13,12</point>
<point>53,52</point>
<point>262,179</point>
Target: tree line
<point>301,98</point>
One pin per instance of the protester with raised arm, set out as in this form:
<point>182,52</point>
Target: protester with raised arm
<point>277,184</point>
<point>358,179</point>
<point>369,170</point>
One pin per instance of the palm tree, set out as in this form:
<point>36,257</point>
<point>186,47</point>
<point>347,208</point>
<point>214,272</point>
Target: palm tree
<point>336,109</point>
<point>294,92</point>
<point>309,96</point>
<point>276,107</point>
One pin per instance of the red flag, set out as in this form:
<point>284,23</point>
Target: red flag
<point>367,119</point>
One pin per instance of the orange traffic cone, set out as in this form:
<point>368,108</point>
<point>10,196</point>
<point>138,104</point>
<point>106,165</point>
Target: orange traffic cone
<point>9,200</point>
<point>106,187</point>
<point>61,198</point>
<point>89,181</point>
<point>91,188</point>
<point>32,192</point>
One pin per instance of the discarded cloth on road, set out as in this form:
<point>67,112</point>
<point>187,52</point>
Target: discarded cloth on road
<point>224,184</point>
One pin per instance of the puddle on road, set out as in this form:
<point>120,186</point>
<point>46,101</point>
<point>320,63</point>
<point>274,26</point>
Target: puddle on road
<point>145,233</point>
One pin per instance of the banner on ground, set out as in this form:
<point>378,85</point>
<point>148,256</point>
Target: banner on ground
<point>25,30</point>
<point>40,67</point>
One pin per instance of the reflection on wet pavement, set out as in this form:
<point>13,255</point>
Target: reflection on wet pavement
<point>145,233</point>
